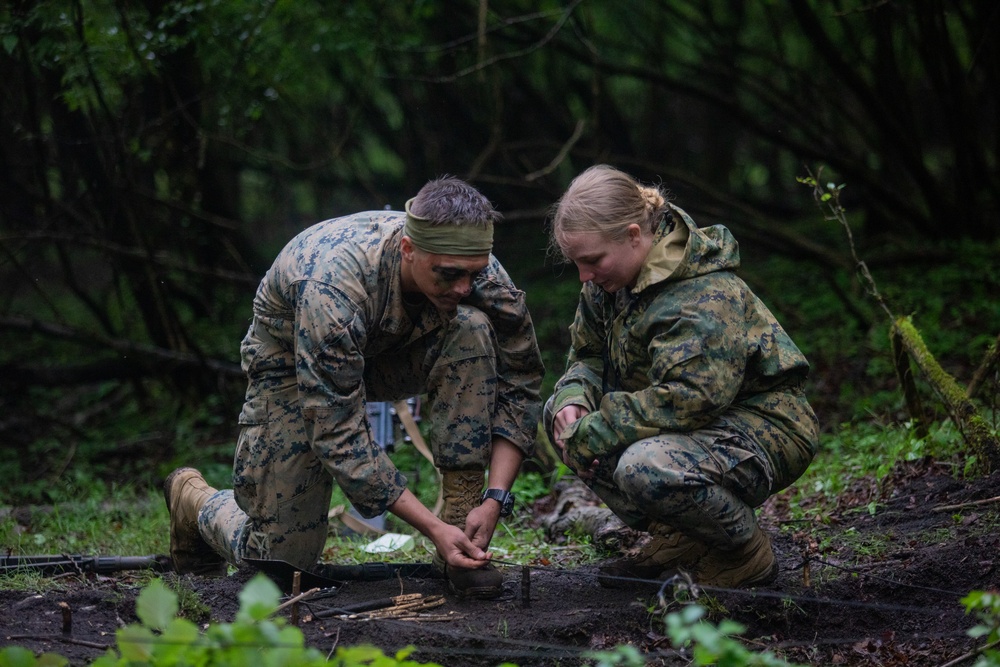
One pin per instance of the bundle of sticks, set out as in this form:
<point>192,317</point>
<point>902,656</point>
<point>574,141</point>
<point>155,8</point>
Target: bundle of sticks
<point>406,607</point>
<point>402,607</point>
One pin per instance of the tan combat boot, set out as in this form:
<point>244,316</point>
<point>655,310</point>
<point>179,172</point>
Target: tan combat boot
<point>752,564</point>
<point>667,550</point>
<point>462,492</point>
<point>186,491</point>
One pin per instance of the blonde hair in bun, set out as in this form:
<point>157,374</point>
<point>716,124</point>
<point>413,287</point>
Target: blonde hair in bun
<point>652,196</point>
<point>605,201</point>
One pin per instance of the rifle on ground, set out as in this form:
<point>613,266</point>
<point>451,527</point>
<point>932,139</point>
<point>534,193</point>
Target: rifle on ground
<point>63,563</point>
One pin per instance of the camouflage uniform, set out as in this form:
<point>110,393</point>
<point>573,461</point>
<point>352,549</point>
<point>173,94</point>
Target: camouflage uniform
<point>697,412</point>
<point>330,331</point>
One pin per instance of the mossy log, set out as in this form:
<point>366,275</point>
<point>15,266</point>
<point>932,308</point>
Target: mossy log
<point>974,428</point>
<point>901,362</point>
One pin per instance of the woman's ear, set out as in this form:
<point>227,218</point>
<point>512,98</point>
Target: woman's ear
<point>634,233</point>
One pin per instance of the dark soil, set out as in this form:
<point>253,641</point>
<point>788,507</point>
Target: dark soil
<point>879,589</point>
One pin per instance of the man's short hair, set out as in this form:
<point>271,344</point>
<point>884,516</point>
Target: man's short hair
<point>450,200</point>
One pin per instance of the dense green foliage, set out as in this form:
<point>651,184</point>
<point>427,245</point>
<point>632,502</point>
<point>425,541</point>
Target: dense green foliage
<point>156,154</point>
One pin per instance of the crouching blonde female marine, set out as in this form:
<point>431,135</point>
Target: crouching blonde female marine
<point>682,403</point>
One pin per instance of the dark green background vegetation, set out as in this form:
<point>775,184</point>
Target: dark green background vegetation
<point>155,155</point>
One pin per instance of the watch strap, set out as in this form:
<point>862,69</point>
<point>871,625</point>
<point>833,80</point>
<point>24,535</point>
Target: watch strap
<point>505,498</point>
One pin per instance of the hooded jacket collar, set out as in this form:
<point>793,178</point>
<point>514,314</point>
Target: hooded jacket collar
<point>683,250</point>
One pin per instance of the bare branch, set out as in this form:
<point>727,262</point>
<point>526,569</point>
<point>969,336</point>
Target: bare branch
<point>509,55</point>
<point>145,353</point>
<point>561,155</point>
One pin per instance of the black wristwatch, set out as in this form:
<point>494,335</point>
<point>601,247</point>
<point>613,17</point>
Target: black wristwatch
<point>505,498</point>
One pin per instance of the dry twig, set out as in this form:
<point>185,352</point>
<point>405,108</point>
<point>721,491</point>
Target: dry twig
<point>971,503</point>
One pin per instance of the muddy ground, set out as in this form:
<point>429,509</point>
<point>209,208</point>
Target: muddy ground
<point>877,590</point>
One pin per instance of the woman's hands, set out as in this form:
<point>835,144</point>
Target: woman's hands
<point>562,419</point>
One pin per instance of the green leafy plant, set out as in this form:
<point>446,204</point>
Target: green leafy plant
<point>15,656</point>
<point>986,607</point>
<point>620,656</point>
<point>714,644</point>
<point>163,639</point>
<point>189,602</point>
<point>530,486</point>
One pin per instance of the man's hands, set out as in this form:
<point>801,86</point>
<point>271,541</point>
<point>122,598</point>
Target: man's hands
<point>481,523</point>
<point>453,545</point>
<point>465,549</point>
<point>505,462</point>
<point>563,418</point>
<point>468,549</point>
<point>457,549</point>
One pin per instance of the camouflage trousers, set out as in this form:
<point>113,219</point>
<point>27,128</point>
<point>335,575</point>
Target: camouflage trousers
<point>704,483</point>
<point>282,486</point>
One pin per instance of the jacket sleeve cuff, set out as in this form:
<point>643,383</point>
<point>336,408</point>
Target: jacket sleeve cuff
<point>572,395</point>
<point>589,438</point>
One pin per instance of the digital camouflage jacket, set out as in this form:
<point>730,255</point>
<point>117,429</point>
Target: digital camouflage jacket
<point>331,300</point>
<point>687,343</point>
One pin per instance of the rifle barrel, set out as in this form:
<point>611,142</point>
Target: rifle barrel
<point>50,564</point>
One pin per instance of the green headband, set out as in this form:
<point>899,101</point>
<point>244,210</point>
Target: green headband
<point>448,239</point>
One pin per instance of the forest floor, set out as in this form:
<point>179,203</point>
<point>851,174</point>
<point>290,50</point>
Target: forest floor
<point>855,589</point>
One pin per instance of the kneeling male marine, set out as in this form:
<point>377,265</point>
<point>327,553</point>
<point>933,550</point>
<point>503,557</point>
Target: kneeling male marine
<point>374,306</point>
